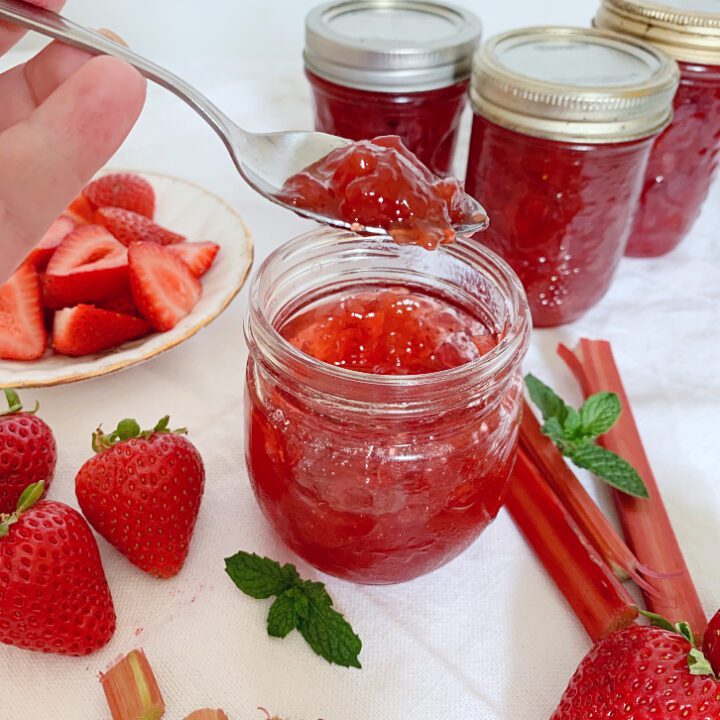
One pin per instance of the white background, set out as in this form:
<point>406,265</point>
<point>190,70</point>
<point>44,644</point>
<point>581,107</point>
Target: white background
<point>485,638</point>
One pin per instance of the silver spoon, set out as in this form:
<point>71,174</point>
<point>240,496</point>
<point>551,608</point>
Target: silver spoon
<point>265,160</point>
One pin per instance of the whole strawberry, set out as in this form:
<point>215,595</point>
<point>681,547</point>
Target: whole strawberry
<point>643,673</point>
<point>711,643</point>
<point>28,453</point>
<point>142,493</point>
<point>53,593</point>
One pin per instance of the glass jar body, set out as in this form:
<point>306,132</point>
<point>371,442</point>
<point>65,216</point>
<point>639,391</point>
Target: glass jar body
<point>379,479</point>
<point>426,121</point>
<point>560,212</point>
<point>682,165</point>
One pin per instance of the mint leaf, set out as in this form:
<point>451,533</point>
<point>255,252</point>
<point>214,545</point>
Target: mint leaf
<point>550,404</point>
<point>316,592</point>
<point>259,577</point>
<point>572,426</point>
<point>554,430</point>
<point>599,413</point>
<point>609,467</point>
<point>283,616</point>
<point>330,635</point>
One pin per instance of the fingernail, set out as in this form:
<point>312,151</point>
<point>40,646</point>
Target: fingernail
<point>112,36</point>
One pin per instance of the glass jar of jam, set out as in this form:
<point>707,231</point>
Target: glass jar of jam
<point>685,157</point>
<point>392,67</point>
<point>564,124</point>
<point>382,400</point>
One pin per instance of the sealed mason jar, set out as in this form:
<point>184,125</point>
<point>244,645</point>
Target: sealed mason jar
<point>564,124</point>
<point>684,158</point>
<point>373,475</point>
<point>392,67</point>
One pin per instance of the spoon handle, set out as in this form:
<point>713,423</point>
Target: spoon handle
<point>56,26</point>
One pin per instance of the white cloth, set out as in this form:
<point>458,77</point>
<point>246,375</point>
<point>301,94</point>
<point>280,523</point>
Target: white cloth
<point>485,638</point>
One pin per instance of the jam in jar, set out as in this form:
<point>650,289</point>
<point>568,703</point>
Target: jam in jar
<point>399,67</point>
<point>564,124</point>
<point>685,156</point>
<point>383,398</point>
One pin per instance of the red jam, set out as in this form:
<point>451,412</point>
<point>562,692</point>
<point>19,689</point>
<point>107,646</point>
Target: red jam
<point>380,499</point>
<point>682,165</point>
<point>560,212</point>
<point>427,122</point>
<point>379,183</point>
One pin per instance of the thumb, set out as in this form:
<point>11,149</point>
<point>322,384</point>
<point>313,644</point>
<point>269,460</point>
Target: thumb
<point>46,159</point>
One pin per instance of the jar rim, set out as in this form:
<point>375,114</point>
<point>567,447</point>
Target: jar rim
<point>260,328</point>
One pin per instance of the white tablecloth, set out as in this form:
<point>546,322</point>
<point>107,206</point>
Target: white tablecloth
<point>485,638</point>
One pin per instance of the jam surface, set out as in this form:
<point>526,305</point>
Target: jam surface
<point>682,165</point>
<point>374,498</point>
<point>379,183</point>
<point>427,121</point>
<point>561,213</point>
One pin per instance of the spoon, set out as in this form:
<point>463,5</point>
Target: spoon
<point>265,160</point>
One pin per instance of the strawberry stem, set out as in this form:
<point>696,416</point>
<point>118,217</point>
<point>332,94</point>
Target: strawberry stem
<point>645,523</point>
<point>128,429</point>
<point>30,495</point>
<point>15,405</point>
<point>597,597</point>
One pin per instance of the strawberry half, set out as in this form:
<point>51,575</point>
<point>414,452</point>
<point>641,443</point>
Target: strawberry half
<point>122,190</point>
<point>129,227</point>
<point>198,256</point>
<point>122,303</point>
<point>28,452</point>
<point>54,596</point>
<point>163,287</point>
<point>85,329</point>
<point>81,211</point>
<point>22,323</point>
<point>89,265</point>
<point>142,493</point>
<point>40,256</point>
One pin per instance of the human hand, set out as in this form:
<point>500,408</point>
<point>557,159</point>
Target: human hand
<point>62,116</point>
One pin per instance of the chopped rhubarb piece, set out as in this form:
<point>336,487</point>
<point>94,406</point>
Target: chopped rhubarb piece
<point>40,256</point>
<point>131,689</point>
<point>645,522</point>
<point>598,598</point>
<point>207,715</point>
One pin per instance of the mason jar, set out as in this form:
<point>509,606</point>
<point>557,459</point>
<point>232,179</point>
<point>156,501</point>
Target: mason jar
<point>684,159</point>
<point>392,67</point>
<point>379,478</point>
<point>564,123</point>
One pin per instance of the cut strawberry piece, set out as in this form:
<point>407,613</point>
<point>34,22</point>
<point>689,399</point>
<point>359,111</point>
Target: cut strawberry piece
<point>90,265</point>
<point>123,303</point>
<point>80,210</point>
<point>44,250</point>
<point>122,190</point>
<point>163,287</point>
<point>84,329</point>
<point>22,327</point>
<point>129,227</point>
<point>199,256</point>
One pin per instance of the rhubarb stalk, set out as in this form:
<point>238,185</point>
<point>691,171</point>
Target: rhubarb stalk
<point>645,522</point>
<point>599,600</point>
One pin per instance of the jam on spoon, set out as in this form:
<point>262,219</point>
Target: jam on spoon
<point>380,183</point>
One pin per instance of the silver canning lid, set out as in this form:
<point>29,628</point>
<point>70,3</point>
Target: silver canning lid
<point>391,45</point>
<point>687,30</point>
<point>574,84</point>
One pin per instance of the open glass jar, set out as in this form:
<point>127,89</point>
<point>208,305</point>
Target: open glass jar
<point>392,67</point>
<point>685,157</point>
<point>564,124</point>
<point>379,478</point>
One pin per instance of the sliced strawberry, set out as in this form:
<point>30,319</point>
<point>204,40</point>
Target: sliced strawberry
<point>89,265</point>
<point>85,329</point>
<point>129,227</point>
<point>163,287</point>
<point>22,327</point>
<point>122,190</point>
<point>199,256</point>
<point>44,250</point>
<point>80,210</point>
<point>123,303</point>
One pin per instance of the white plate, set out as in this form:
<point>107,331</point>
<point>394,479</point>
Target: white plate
<point>197,214</point>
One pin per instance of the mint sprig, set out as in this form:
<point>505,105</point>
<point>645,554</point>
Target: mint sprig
<point>575,431</point>
<point>299,604</point>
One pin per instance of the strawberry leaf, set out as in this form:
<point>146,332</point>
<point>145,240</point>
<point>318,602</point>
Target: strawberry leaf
<point>699,664</point>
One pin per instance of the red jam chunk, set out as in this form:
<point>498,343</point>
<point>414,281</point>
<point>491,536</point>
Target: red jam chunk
<point>561,213</point>
<point>427,122</point>
<point>682,165</point>
<point>372,498</point>
<point>380,183</point>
